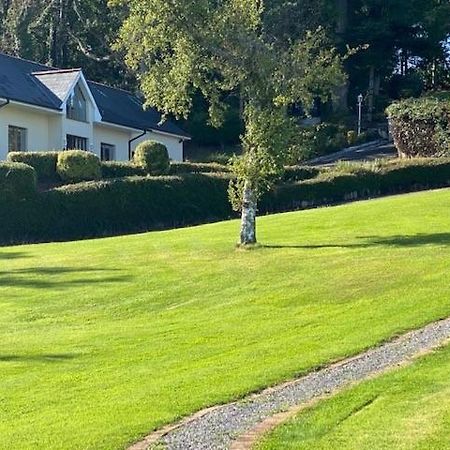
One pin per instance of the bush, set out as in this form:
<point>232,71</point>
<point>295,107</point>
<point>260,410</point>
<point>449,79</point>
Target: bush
<point>350,181</point>
<point>153,157</point>
<point>189,167</point>
<point>119,169</point>
<point>421,127</point>
<point>44,163</point>
<point>17,181</point>
<point>299,173</point>
<point>125,205</point>
<point>78,165</point>
<point>135,204</point>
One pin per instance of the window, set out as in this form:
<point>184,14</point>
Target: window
<point>107,152</point>
<point>17,139</point>
<point>76,143</point>
<point>76,105</point>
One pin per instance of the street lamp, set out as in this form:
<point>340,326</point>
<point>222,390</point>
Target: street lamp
<point>360,101</point>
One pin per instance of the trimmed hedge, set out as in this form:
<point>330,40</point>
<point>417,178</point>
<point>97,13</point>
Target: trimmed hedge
<point>153,157</point>
<point>78,165</point>
<point>122,205</point>
<point>190,167</point>
<point>119,169</point>
<point>44,163</point>
<point>126,205</point>
<point>358,181</point>
<point>421,127</point>
<point>17,181</point>
<point>299,173</point>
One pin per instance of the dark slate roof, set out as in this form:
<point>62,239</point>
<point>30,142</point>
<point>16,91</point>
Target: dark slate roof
<point>35,84</point>
<point>123,108</point>
<point>17,83</point>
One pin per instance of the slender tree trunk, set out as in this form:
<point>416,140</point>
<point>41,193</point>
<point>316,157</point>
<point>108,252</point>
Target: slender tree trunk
<point>248,218</point>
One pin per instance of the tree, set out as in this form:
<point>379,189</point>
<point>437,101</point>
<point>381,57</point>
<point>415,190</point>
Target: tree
<point>179,47</point>
<point>65,33</point>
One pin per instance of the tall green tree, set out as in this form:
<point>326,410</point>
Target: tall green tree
<point>65,33</point>
<point>179,47</point>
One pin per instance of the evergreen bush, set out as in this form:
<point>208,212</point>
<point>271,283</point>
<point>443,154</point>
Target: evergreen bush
<point>17,180</point>
<point>153,157</point>
<point>44,163</point>
<point>421,127</point>
<point>78,165</point>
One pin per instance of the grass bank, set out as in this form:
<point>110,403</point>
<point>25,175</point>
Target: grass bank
<point>102,341</point>
<point>409,408</point>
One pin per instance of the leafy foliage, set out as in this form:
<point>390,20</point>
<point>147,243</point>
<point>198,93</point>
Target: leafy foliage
<point>121,169</point>
<point>78,165</point>
<point>44,163</point>
<point>180,48</point>
<point>153,157</point>
<point>17,181</point>
<point>421,127</point>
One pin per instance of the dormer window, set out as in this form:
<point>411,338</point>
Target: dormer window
<point>76,105</point>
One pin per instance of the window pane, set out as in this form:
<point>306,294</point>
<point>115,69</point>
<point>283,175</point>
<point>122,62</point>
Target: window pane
<point>107,152</point>
<point>17,139</point>
<point>76,142</point>
<point>76,105</point>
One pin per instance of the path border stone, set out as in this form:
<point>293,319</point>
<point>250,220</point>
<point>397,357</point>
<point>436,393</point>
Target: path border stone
<point>236,425</point>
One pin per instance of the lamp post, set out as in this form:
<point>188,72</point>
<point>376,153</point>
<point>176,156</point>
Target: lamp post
<point>360,101</point>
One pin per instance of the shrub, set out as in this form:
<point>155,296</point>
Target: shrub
<point>44,163</point>
<point>153,157</point>
<point>351,181</point>
<point>421,127</point>
<point>189,167</point>
<point>119,169</point>
<point>17,180</point>
<point>299,173</point>
<point>78,165</point>
<point>352,136</point>
<point>121,205</point>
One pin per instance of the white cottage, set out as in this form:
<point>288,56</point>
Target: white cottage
<point>43,108</point>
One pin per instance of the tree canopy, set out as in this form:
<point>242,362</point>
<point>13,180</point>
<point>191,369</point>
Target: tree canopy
<point>179,47</point>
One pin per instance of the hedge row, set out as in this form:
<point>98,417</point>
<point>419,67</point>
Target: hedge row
<point>112,207</point>
<point>358,181</point>
<point>17,180</point>
<point>133,204</point>
<point>190,167</point>
<point>45,165</point>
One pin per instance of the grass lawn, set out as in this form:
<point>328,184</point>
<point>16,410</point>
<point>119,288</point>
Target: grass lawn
<point>102,341</point>
<point>403,410</point>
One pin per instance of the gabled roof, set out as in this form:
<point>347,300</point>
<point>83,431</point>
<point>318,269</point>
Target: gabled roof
<point>17,83</point>
<point>123,108</point>
<point>35,84</point>
<point>60,82</point>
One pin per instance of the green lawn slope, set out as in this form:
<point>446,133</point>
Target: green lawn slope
<point>102,341</point>
<point>404,410</point>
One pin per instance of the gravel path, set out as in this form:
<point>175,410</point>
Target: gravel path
<point>217,428</point>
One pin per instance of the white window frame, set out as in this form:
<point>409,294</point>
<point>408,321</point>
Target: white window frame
<point>23,138</point>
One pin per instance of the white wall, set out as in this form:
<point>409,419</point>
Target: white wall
<point>35,121</point>
<point>173,144</point>
<point>48,130</point>
<point>113,136</point>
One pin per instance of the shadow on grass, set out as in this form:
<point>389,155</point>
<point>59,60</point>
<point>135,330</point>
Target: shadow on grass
<point>59,277</point>
<point>376,241</point>
<point>13,255</point>
<point>38,358</point>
